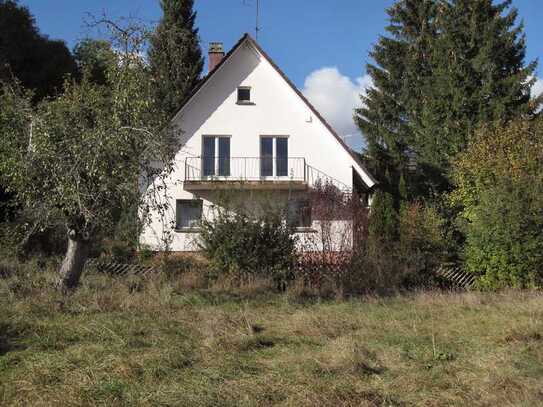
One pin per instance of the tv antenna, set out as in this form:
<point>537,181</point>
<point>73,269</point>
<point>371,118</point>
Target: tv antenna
<point>257,25</point>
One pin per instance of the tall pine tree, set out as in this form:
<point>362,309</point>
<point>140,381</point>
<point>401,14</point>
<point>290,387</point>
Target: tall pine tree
<point>175,56</point>
<point>478,76</point>
<point>448,67</point>
<point>401,66</point>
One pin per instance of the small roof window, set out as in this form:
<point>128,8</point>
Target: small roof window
<point>244,95</point>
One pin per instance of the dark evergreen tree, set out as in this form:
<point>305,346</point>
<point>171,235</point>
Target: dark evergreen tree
<point>383,222</point>
<point>447,67</point>
<point>175,55</point>
<point>478,76</point>
<point>36,61</point>
<point>401,66</point>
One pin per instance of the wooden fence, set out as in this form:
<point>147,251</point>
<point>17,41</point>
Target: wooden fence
<point>456,277</point>
<point>117,269</point>
<point>451,274</point>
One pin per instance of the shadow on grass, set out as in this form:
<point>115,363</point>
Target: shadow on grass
<point>10,338</point>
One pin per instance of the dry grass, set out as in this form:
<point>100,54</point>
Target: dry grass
<point>160,341</point>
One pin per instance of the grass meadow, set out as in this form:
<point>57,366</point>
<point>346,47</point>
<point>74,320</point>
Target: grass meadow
<point>174,341</point>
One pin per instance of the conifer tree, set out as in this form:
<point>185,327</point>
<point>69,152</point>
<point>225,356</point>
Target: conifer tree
<point>383,222</point>
<point>175,56</point>
<point>401,65</point>
<point>447,67</point>
<point>478,77</point>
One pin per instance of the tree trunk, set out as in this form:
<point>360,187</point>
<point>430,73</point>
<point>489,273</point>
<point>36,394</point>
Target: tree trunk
<point>74,261</point>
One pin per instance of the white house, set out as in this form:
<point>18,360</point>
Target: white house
<point>248,131</point>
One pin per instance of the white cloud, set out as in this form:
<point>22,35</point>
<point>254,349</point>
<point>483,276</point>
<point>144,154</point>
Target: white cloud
<point>537,89</point>
<point>335,96</point>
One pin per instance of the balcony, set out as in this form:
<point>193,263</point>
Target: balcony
<point>207,173</point>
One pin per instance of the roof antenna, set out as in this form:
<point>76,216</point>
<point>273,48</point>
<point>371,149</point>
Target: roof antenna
<point>257,27</point>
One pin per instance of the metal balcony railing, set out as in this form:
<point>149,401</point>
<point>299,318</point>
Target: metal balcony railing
<point>245,169</point>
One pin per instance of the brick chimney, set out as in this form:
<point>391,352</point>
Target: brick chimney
<point>216,54</point>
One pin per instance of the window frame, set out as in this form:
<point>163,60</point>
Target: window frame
<point>244,101</point>
<point>274,158</point>
<point>218,161</point>
<point>304,214</point>
<point>178,214</point>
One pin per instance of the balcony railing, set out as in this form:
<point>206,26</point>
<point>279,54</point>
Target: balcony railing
<point>245,169</point>
<point>260,172</point>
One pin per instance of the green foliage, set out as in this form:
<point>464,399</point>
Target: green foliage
<point>422,242</point>
<point>446,68</point>
<point>175,57</point>
<point>399,71</point>
<point>77,158</point>
<point>94,58</point>
<point>383,220</point>
<point>505,240</point>
<point>36,61</point>
<point>478,77</point>
<point>499,182</point>
<point>404,248</point>
<point>239,244</point>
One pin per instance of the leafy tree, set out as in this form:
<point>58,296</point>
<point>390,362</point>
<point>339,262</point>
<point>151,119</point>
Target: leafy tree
<point>36,61</point>
<point>94,58</point>
<point>499,186</point>
<point>175,56</point>
<point>78,156</point>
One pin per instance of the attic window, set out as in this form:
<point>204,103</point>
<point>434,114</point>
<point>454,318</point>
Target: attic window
<point>244,95</point>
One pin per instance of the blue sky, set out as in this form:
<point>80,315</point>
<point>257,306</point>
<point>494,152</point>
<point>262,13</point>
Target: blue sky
<point>322,45</point>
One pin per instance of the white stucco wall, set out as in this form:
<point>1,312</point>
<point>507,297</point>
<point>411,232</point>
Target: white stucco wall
<point>277,111</point>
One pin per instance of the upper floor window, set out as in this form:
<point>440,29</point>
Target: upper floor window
<point>244,95</point>
<point>216,156</point>
<point>273,156</point>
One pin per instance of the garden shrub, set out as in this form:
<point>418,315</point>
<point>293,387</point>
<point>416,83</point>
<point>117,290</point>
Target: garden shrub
<point>499,186</point>
<point>403,250</point>
<point>242,245</point>
<point>504,243</point>
<point>422,243</point>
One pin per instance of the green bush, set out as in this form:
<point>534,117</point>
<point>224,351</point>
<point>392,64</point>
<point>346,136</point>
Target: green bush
<point>505,238</point>
<point>404,249</point>
<point>499,186</point>
<point>242,245</point>
<point>422,244</point>
<point>383,221</point>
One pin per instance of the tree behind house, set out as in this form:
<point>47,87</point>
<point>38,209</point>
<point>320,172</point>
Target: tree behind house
<point>447,68</point>
<point>175,56</point>
<point>36,61</point>
<point>400,68</point>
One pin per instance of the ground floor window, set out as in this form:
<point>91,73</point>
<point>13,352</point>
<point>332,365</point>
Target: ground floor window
<point>299,213</point>
<point>188,213</point>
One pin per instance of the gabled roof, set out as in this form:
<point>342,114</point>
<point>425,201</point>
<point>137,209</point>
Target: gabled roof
<point>247,38</point>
